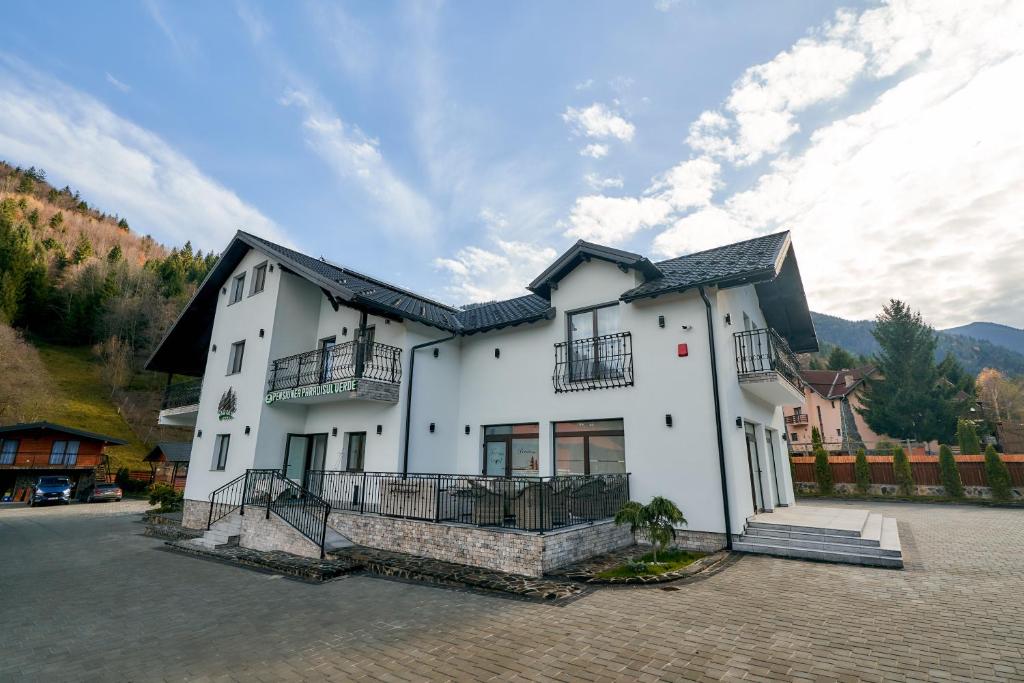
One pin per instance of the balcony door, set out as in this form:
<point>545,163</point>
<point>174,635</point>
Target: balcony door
<point>304,453</point>
<point>593,354</point>
<point>512,450</point>
<point>327,359</point>
<point>754,464</point>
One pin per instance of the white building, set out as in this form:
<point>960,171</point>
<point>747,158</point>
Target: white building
<point>675,372</point>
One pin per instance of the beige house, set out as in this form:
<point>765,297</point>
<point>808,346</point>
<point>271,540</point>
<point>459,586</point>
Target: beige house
<point>831,400</point>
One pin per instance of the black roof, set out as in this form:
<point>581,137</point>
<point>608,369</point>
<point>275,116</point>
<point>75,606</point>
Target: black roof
<point>496,314</point>
<point>173,451</point>
<point>80,433</point>
<point>767,262</point>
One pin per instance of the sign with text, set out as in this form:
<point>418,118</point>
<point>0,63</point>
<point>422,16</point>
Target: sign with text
<point>313,391</point>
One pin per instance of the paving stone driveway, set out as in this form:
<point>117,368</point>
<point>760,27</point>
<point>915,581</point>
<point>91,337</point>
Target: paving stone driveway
<point>85,597</point>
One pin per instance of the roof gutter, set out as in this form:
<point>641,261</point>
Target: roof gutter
<point>408,396</point>
<point>718,418</point>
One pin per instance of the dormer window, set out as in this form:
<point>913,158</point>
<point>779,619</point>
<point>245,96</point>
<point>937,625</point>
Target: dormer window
<point>596,353</point>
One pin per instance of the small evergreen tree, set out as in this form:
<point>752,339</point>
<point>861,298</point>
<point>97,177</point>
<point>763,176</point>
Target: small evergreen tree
<point>823,471</point>
<point>57,221</point>
<point>998,475</point>
<point>114,255</point>
<point>967,436</point>
<point>83,249</point>
<point>840,359</point>
<point>949,473</point>
<point>33,218</point>
<point>816,441</point>
<point>903,472</point>
<point>27,184</point>
<point>862,472</point>
<point>123,224</point>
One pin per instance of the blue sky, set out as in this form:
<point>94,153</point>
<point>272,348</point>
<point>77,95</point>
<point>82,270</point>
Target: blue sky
<point>456,147</point>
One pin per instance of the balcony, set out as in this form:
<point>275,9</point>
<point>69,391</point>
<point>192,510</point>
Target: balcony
<point>767,368</point>
<point>353,370</point>
<point>601,362</point>
<point>799,420</point>
<point>180,404</point>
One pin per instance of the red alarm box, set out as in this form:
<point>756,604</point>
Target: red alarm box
<point>682,350</point>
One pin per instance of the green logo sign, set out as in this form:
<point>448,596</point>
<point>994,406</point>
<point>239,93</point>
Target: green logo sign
<point>309,392</point>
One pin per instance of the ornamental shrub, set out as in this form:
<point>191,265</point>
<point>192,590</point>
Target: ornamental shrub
<point>967,437</point>
<point>998,475</point>
<point>862,472</point>
<point>823,471</point>
<point>904,475</point>
<point>816,441</point>
<point>949,473</point>
<point>165,496</point>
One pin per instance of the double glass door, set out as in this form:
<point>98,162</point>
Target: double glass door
<point>512,450</point>
<point>303,453</point>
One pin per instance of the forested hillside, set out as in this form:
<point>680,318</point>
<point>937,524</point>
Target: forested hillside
<point>88,295</point>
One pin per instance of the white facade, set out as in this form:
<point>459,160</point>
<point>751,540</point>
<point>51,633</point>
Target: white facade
<point>469,384</point>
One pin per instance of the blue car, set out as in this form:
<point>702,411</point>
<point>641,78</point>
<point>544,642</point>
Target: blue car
<point>51,490</point>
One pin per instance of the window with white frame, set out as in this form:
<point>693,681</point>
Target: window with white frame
<point>237,289</point>
<point>235,357</point>
<point>220,451</point>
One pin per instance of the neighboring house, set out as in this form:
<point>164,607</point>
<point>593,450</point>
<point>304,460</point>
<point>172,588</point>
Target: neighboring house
<point>169,462</point>
<point>33,449</point>
<point>317,377</point>
<point>831,402</point>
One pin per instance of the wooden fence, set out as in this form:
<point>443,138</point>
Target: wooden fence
<point>925,469</point>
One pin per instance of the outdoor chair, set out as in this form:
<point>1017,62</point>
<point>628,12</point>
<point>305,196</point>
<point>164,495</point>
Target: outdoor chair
<point>488,505</point>
<point>585,500</point>
<point>541,505</point>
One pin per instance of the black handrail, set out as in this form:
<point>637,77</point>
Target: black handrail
<point>182,394</point>
<point>351,360</point>
<point>759,351</point>
<point>594,363</point>
<point>530,503</point>
<point>227,499</point>
<point>303,510</point>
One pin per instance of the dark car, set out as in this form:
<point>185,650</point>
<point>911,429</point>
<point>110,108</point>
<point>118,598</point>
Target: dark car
<point>100,492</point>
<point>51,490</point>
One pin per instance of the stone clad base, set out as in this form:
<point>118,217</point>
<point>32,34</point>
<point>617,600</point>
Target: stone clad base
<point>195,514</point>
<point>919,490</point>
<point>260,533</point>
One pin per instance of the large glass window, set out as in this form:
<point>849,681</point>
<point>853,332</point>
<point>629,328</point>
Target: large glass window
<point>8,449</point>
<point>64,453</point>
<point>512,450</point>
<point>595,351</point>
<point>590,447</point>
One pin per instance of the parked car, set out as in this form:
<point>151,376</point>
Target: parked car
<point>101,492</point>
<point>51,490</point>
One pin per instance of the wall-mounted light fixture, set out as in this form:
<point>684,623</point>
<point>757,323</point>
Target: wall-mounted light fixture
<point>687,327</point>
<point>213,348</point>
<point>380,429</point>
<point>344,332</point>
<point>261,333</point>
<point>431,427</point>
<point>467,430</point>
<point>247,429</point>
<point>437,352</point>
<point>199,434</point>
<point>497,353</point>
<point>223,290</point>
<point>668,420</point>
<point>661,321</point>
<point>334,431</point>
<point>728,318</point>
<point>271,267</point>
<point>739,422</point>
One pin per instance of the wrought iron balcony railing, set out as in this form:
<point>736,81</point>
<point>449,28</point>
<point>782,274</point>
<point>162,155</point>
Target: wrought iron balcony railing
<point>761,351</point>
<point>351,360</point>
<point>800,418</point>
<point>182,394</point>
<point>594,363</point>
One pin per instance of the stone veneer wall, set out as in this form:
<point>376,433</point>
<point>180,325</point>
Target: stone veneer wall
<point>260,533</point>
<point>195,514</point>
<point>919,490</point>
<point>516,552</point>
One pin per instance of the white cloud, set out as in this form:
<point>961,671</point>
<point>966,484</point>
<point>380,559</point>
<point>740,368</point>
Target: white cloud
<point>123,87</point>
<point>595,151</point>
<point>597,121</point>
<point>116,164</point>
<point>357,162</point>
<point>597,182</point>
<point>585,85</point>
<point>253,20</point>
<point>688,184</point>
<point>704,229</point>
<point>613,220</point>
<point>665,5</point>
<point>498,273</point>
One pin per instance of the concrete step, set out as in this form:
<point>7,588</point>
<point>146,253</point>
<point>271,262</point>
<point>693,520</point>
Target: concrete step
<point>335,541</point>
<point>804,529</point>
<point>894,562</point>
<point>781,534</point>
<point>867,550</point>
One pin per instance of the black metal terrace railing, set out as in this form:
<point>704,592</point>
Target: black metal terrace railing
<point>594,363</point>
<point>182,394</point>
<point>524,503</point>
<point>351,360</point>
<point>760,351</point>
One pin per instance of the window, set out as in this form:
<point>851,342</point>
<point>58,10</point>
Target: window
<point>220,451</point>
<point>512,450</point>
<point>8,449</point>
<point>795,437</point>
<point>237,288</point>
<point>64,453</point>
<point>797,410</point>
<point>591,447</point>
<point>356,450</point>
<point>259,278</point>
<point>594,351</point>
<point>235,358</point>
<point>839,431</point>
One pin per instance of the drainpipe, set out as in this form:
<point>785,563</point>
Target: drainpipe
<point>408,397</point>
<point>718,418</point>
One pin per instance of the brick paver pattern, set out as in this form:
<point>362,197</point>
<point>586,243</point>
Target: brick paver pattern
<point>86,596</point>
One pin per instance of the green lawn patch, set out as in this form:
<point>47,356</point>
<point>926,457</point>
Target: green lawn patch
<point>81,400</point>
<point>668,561</point>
